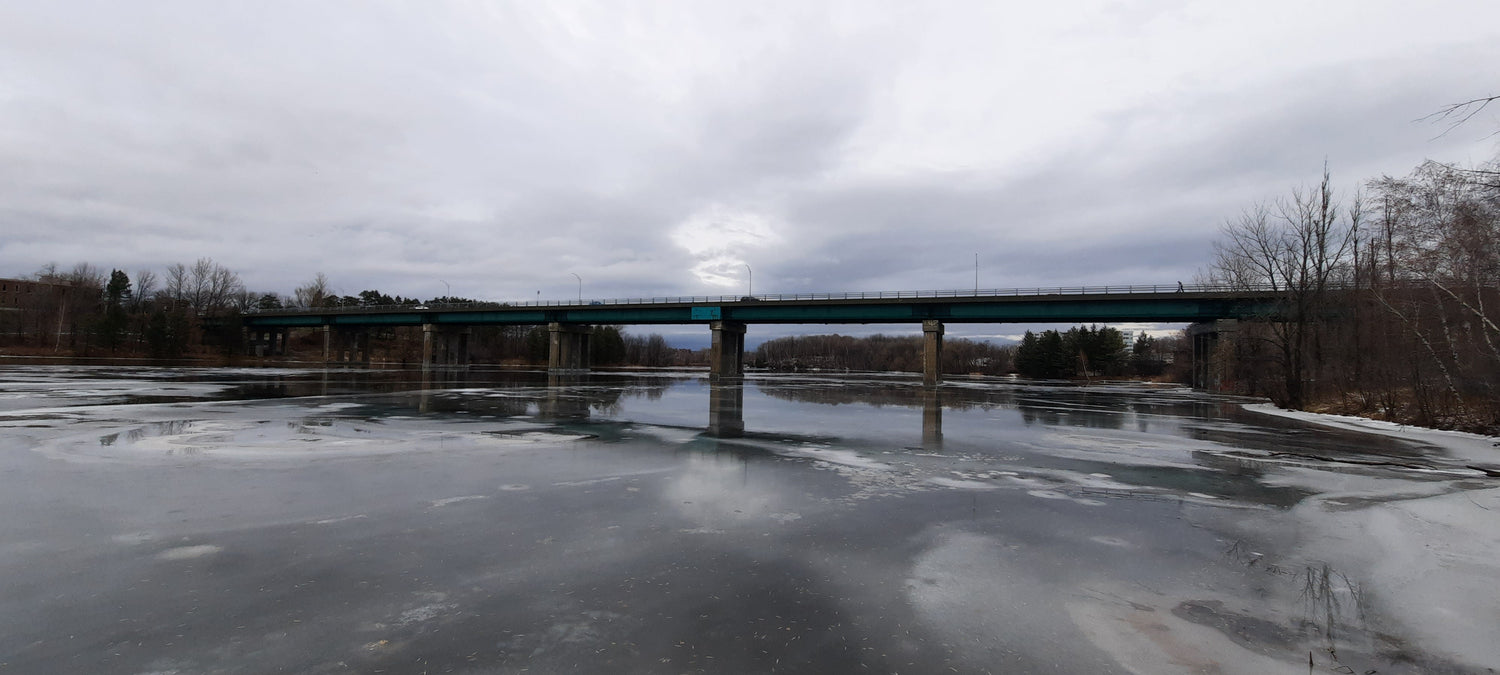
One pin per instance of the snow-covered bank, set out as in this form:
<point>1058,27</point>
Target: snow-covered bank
<point>1471,448</point>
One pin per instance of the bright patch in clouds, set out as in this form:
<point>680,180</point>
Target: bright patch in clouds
<point>721,238</point>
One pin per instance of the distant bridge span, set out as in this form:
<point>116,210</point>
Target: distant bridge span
<point>445,326</point>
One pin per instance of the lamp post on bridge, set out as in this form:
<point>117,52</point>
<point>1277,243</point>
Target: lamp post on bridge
<point>749,281</point>
<point>447,291</point>
<point>580,286</point>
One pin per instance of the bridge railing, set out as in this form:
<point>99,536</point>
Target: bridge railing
<point>794,297</point>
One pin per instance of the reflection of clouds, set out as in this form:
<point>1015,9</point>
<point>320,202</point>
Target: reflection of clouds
<point>972,592</point>
<point>719,490</point>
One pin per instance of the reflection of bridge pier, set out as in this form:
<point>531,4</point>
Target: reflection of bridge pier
<point>932,419</point>
<point>436,378</point>
<point>726,408</point>
<point>562,400</point>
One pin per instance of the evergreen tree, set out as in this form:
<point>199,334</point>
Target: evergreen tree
<point>606,346</point>
<point>111,326</point>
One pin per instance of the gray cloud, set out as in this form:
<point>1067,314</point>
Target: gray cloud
<point>655,151</point>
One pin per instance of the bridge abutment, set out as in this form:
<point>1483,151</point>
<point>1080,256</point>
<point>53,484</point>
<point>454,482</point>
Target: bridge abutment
<point>932,352</point>
<point>726,354</point>
<point>1210,364</point>
<point>445,345</point>
<point>568,346</point>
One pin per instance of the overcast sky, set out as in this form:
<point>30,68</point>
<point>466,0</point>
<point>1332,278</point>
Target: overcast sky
<point>496,149</point>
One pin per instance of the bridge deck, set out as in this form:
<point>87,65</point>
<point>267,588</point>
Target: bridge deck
<point>1063,305</point>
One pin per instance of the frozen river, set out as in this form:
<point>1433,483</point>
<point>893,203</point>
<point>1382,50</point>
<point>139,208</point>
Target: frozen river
<point>157,520</point>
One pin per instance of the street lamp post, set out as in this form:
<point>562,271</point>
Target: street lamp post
<point>447,290</point>
<point>580,286</point>
<point>749,281</point>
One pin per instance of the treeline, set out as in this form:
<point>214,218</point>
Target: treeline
<point>1088,351</point>
<point>86,311</point>
<point>195,309</point>
<point>1391,300</point>
<point>876,353</point>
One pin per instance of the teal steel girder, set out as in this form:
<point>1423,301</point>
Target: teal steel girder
<point>1027,309</point>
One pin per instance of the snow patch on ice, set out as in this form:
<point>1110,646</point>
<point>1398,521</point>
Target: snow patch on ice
<point>454,500</point>
<point>1433,560</point>
<point>189,552</point>
<point>847,458</point>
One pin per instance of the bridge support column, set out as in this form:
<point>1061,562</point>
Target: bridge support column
<point>265,341</point>
<point>568,347</point>
<point>932,352</point>
<point>346,345</point>
<point>1210,365</point>
<point>444,345</point>
<point>726,354</point>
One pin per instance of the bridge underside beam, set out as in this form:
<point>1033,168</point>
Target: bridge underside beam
<point>568,347</point>
<point>445,345</point>
<point>726,354</point>
<point>932,352</point>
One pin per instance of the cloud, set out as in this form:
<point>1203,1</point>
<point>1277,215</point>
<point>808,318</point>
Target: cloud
<point>657,150</point>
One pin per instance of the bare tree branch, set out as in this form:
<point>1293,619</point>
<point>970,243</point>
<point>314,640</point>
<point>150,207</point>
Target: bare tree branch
<point>1455,115</point>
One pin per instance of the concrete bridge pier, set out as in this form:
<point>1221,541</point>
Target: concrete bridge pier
<point>445,345</point>
<point>726,354</point>
<point>346,345</point>
<point>266,341</point>
<point>568,347</point>
<point>932,352</point>
<point>1210,370</point>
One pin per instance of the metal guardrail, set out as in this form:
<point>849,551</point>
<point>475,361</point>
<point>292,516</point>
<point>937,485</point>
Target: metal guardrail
<point>792,297</point>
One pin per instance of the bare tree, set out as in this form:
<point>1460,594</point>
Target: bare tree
<point>1297,248</point>
<point>1439,251</point>
<point>314,293</point>
<point>145,287</point>
<point>1456,114</point>
<point>177,285</point>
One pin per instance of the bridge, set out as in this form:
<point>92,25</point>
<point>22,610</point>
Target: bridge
<point>446,327</point>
